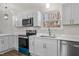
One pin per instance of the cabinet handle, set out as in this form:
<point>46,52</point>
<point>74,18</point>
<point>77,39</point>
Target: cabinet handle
<point>44,45</point>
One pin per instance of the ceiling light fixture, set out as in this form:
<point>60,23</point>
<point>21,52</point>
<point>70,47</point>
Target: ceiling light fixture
<point>47,5</point>
<point>6,16</point>
<point>4,10</point>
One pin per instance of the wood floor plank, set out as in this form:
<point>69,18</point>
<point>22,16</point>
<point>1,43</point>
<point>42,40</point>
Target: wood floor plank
<point>12,53</point>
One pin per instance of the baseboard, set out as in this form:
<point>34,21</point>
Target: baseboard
<point>32,54</point>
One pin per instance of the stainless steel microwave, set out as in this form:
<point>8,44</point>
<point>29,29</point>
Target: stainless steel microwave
<point>27,22</point>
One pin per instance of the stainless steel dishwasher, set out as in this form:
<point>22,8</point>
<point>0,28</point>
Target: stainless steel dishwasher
<point>69,48</point>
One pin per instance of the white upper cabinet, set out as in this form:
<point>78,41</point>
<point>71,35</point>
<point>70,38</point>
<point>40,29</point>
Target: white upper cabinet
<point>18,20</point>
<point>75,13</point>
<point>66,13</point>
<point>70,13</point>
<point>37,18</point>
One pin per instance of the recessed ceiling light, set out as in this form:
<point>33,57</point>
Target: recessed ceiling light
<point>47,5</point>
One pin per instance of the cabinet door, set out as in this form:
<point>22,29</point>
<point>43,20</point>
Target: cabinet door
<point>50,47</point>
<point>39,47</point>
<point>5,45</point>
<point>11,41</point>
<point>31,44</point>
<point>66,14</point>
<point>15,38</point>
<point>1,44</point>
<point>37,17</point>
<point>18,20</point>
<point>75,13</point>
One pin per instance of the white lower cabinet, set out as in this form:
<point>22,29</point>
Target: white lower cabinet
<point>15,45</point>
<point>1,44</point>
<point>31,44</point>
<point>43,46</point>
<point>51,47</point>
<point>7,42</point>
<point>39,47</point>
<point>10,41</point>
<point>5,45</point>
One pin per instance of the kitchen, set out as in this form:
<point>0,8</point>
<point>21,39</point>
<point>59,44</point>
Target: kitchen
<point>39,29</point>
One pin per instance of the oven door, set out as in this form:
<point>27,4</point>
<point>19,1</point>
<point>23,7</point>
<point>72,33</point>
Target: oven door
<point>24,43</point>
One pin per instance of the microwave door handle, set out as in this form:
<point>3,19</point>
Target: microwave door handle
<point>32,21</point>
<point>75,46</point>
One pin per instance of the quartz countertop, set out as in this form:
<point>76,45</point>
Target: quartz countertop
<point>6,34</point>
<point>62,37</point>
<point>68,38</point>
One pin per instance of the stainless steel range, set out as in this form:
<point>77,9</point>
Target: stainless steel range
<point>24,41</point>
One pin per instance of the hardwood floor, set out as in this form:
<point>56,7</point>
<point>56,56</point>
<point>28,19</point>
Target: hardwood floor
<point>12,53</point>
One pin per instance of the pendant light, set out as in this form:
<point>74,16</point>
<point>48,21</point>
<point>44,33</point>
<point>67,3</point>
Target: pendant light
<point>5,12</point>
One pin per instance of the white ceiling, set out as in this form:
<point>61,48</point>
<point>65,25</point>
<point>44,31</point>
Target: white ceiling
<point>20,7</point>
<point>28,6</point>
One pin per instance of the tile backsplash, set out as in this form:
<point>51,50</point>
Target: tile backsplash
<point>67,30</point>
<point>71,30</point>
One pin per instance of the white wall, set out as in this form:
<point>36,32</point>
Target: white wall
<point>71,30</point>
<point>5,25</point>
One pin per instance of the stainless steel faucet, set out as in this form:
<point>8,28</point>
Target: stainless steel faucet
<point>49,31</point>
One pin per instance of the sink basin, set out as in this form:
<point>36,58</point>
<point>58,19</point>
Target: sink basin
<point>53,36</point>
<point>48,36</point>
<point>44,36</point>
